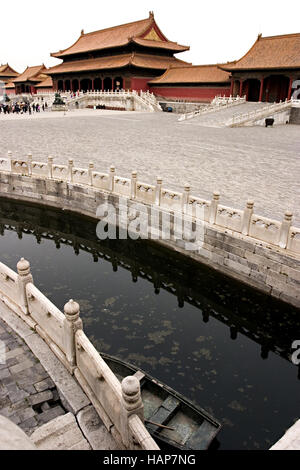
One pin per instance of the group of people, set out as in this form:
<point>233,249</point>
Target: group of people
<point>22,108</point>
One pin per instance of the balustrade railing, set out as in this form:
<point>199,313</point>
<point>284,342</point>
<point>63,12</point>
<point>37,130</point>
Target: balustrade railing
<point>280,234</point>
<point>218,103</point>
<point>63,332</point>
<point>259,113</point>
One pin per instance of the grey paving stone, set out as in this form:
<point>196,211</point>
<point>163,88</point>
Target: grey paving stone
<point>45,406</point>
<point>4,373</point>
<point>44,385</point>
<point>48,415</point>
<point>27,364</point>
<point>25,414</point>
<point>12,361</point>
<point>15,419</point>
<point>40,397</point>
<point>4,401</point>
<point>16,396</point>
<point>28,388</point>
<point>15,352</point>
<point>29,425</point>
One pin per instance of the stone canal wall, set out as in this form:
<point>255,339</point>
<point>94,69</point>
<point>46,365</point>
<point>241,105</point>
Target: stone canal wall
<point>118,405</point>
<point>261,252</point>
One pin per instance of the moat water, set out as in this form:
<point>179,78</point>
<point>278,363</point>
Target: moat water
<point>221,344</point>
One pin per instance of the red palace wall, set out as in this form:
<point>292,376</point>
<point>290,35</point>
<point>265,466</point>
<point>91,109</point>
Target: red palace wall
<point>44,90</point>
<point>140,83</point>
<point>10,91</point>
<point>192,93</point>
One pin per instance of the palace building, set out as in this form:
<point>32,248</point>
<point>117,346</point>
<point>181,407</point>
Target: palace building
<point>121,57</point>
<point>138,56</point>
<point>7,73</point>
<point>27,81</point>
<point>192,83</point>
<point>269,71</point>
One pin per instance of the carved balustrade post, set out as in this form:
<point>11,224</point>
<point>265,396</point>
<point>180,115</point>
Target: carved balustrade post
<point>72,323</point>
<point>131,404</point>
<point>186,197</point>
<point>158,190</point>
<point>29,162</point>
<point>213,207</point>
<point>91,169</point>
<point>247,217</point>
<point>285,229</point>
<point>70,170</point>
<point>112,171</point>
<point>133,184</point>
<point>10,158</point>
<point>24,278</point>
<point>50,167</point>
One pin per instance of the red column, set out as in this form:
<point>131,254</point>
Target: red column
<point>241,87</point>
<point>102,84</point>
<point>231,87</point>
<point>92,84</point>
<point>290,89</point>
<point>79,85</point>
<point>261,89</point>
<point>64,85</point>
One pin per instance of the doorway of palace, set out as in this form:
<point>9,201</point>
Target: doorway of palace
<point>67,85</point>
<point>60,85</point>
<point>107,84</point>
<point>75,85</point>
<point>252,87</point>
<point>97,84</point>
<point>276,88</point>
<point>86,84</point>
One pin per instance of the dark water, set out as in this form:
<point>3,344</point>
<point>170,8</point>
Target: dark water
<point>221,344</point>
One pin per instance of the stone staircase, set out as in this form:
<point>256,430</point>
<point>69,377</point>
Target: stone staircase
<point>257,116</point>
<point>219,103</point>
<point>221,117</point>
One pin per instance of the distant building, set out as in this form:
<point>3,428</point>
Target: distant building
<point>27,81</point>
<point>268,71</point>
<point>7,73</point>
<point>138,56</point>
<point>192,83</point>
<point>121,57</point>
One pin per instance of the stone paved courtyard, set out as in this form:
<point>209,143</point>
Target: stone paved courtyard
<point>254,162</point>
<point>28,396</point>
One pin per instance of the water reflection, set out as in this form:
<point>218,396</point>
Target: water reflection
<point>204,345</point>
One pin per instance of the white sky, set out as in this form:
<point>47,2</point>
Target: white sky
<point>215,30</point>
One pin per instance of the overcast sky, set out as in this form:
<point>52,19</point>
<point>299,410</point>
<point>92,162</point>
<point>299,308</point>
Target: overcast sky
<point>215,30</point>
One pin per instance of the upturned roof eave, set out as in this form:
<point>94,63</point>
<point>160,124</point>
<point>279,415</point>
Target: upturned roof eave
<point>260,69</point>
<point>63,56</point>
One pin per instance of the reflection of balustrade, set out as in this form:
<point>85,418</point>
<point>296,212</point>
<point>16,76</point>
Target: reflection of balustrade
<point>281,234</point>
